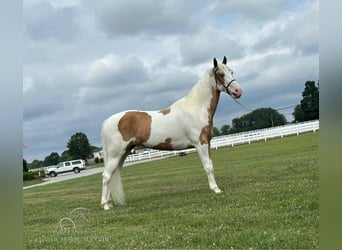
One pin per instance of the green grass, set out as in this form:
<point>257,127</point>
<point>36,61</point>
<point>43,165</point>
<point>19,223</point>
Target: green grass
<point>32,182</point>
<point>270,200</point>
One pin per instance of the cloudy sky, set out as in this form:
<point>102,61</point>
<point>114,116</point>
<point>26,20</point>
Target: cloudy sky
<point>86,60</point>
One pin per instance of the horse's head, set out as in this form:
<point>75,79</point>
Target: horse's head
<point>224,79</point>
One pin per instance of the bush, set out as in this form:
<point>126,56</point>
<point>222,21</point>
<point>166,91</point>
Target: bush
<point>28,176</point>
<point>33,175</point>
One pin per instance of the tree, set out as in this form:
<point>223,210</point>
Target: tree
<point>216,132</point>
<point>225,129</point>
<point>65,156</point>
<point>25,169</point>
<point>51,159</point>
<point>257,119</point>
<point>78,146</point>
<point>308,109</point>
<point>298,114</point>
<point>35,164</point>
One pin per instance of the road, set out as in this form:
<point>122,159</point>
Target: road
<point>91,171</point>
<point>67,176</point>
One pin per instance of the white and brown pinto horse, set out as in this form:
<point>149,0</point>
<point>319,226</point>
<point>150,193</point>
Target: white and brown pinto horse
<point>187,123</point>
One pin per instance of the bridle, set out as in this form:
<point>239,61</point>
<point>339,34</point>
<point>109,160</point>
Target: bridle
<point>225,86</point>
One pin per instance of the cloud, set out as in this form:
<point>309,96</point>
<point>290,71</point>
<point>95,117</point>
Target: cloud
<point>304,39</point>
<point>255,10</point>
<point>148,17</point>
<point>44,22</point>
<point>209,43</point>
<point>113,70</point>
<point>285,32</point>
<point>46,97</point>
<point>72,85</point>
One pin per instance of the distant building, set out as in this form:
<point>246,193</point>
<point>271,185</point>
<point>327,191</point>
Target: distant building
<point>98,154</point>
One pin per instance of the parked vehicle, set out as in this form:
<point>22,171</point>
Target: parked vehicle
<point>67,166</point>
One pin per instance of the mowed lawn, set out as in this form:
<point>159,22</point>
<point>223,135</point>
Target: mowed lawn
<point>270,200</point>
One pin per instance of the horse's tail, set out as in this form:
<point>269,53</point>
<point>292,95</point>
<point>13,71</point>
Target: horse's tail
<point>116,189</point>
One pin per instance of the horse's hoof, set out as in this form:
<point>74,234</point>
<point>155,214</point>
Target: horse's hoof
<point>107,207</point>
<point>217,190</point>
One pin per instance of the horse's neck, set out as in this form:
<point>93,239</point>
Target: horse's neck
<point>203,96</point>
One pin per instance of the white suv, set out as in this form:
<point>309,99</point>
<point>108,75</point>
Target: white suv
<point>67,166</point>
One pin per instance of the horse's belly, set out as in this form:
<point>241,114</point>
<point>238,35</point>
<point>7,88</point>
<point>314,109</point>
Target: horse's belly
<point>169,143</point>
<point>168,138</point>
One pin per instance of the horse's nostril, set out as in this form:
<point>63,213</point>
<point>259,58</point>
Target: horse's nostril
<point>238,92</point>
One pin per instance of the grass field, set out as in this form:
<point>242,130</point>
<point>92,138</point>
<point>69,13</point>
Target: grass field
<point>270,200</point>
<point>31,182</point>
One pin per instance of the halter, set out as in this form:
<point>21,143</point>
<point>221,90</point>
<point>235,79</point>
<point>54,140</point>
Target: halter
<point>225,86</point>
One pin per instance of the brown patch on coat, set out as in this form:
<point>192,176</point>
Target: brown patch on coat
<point>164,145</point>
<point>219,76</point>
<point>205,135</point>
<point>165,111</point>
<point>213,104</point>
<point>206,132</point>
<point>135,124</point>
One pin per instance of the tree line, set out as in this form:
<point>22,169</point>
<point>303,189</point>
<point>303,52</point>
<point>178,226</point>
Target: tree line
<point>307,110</point>
<point>78,146</point>
<point>257,119</point>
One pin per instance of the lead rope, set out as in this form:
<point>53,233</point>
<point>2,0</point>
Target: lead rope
<point>243,106</point>
<point>248,109</point>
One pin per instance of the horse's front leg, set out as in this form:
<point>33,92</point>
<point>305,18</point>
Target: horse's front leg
<point>203,152</point>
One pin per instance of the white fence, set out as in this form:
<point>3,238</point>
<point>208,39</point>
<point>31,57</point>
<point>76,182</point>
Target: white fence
<point>235,139</point>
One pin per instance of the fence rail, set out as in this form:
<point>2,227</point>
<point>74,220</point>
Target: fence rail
<point>236,139</point>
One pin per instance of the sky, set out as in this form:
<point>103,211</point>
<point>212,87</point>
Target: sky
<point>86,60</point>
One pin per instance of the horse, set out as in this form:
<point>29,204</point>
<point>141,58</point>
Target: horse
<point>187,123</point>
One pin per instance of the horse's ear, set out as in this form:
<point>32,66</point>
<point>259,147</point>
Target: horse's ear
<point>224,61</point>
<point>215,63</point>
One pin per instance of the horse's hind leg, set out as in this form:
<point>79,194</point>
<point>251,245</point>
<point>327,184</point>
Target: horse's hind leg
<point>111,165</point>
<point>203,152</point>
<point>111,176</point>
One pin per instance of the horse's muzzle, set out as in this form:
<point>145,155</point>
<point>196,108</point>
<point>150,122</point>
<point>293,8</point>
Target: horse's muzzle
<point>237,92</point>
